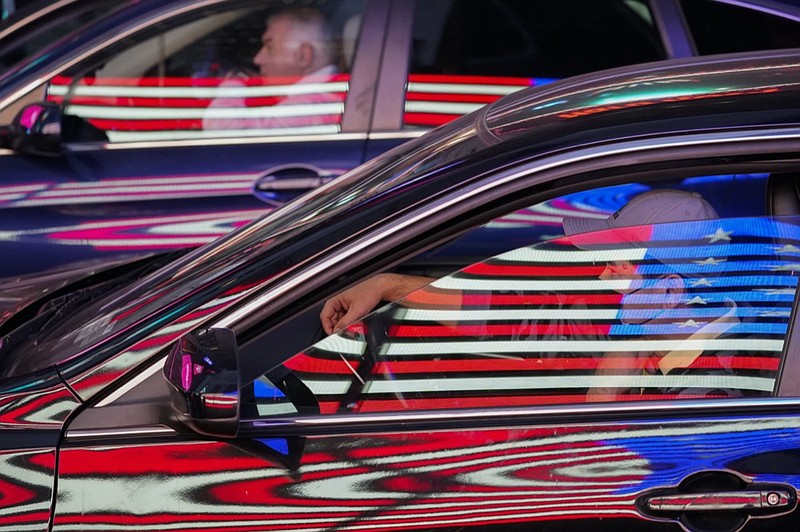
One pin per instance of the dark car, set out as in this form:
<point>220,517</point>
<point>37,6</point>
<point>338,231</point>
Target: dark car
<point>145,160</point>
<point>527,387</point>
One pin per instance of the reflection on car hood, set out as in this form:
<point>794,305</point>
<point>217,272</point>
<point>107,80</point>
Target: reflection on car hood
<point>16,293</point>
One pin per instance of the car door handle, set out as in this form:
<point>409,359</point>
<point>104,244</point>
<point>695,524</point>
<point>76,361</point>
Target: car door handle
<point>281,184</point>
<point>717,501</point>
<point>778,500</point>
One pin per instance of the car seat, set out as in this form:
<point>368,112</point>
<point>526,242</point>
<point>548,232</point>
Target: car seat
<point>783,194</point>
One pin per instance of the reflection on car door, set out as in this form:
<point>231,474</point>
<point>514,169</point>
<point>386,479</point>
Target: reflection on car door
<point>557,473</point>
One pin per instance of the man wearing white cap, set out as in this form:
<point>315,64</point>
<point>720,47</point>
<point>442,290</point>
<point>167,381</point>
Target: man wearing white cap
<point>669,289</point>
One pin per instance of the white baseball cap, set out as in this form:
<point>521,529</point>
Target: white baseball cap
<point>651,207</point>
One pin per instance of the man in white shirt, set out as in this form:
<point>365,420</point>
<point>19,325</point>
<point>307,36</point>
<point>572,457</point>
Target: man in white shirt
<point>297,65</point>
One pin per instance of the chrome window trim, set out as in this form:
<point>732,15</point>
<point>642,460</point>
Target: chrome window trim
<point>34,17</point>
<point>142,376</point>
<point>545,413</point>
<point>652,411</point>
<point>400,134</point>
<point>215,141</point>
<point>133,432</point>
<point>110,40</point>
<point>349,249</point>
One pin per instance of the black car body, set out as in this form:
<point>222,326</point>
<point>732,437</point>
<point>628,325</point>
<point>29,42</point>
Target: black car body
<point>132,170</point>
<point>200,396</point>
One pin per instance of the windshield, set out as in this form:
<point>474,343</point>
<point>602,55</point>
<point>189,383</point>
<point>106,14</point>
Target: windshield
<point>229,268</point>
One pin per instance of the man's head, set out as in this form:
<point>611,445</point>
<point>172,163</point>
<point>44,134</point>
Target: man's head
<point>652,207</point>
<point>296,42</point>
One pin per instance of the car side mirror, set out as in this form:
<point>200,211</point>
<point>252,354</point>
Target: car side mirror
<point>36,130</point>
<point>202,371</point>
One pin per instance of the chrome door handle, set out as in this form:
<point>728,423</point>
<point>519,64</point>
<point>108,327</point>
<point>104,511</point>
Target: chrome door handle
<point>725,500</point>
<point>712,501</point>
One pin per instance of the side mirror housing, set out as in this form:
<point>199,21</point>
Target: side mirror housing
<point>202,371</point>
<point>36,130</point>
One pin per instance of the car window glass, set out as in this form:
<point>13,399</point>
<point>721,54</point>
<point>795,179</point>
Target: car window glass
<point>262,69</point>
<point>684,310</point>
<point>719,27</point>
<point>466,53</point>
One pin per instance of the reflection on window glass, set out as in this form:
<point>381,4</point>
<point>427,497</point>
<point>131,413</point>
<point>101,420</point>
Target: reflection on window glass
<point>668,311</point>
<point>273,69</point>
<point>468,53</point>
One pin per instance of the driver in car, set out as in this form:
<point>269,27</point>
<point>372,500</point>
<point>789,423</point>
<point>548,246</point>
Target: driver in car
<point>297,51</point>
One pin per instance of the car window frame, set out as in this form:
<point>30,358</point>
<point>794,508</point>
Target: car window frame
<point>342,265</point>
<point>353,345</point>
<point>30,21</point>
<point>531,182</point>
<point>332,270</point>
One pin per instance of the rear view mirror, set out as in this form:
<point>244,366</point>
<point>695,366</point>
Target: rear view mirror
<point>203,376</point>
<point>36,130</point>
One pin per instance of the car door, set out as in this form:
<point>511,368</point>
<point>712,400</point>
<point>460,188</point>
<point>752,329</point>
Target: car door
<point>465,405</point>
<point>166,137</point>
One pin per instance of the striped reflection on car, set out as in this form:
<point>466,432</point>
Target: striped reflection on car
<point>433,99</point>
<point>151,108</point>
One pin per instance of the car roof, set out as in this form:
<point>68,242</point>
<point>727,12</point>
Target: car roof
<point>751,89</point>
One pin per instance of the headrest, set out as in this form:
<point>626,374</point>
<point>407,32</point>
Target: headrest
<point>783,194</point>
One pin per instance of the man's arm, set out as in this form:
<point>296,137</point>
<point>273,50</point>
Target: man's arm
<point>359,300</point>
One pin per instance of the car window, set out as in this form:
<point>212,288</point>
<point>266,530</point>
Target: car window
<point>687,310</point>
<point>466,53</point>
<point>258,69</point>
<point>720,27</point>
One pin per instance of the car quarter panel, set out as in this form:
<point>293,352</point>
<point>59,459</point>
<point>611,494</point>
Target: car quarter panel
<point>31,425</point>
<point>26,487</point>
